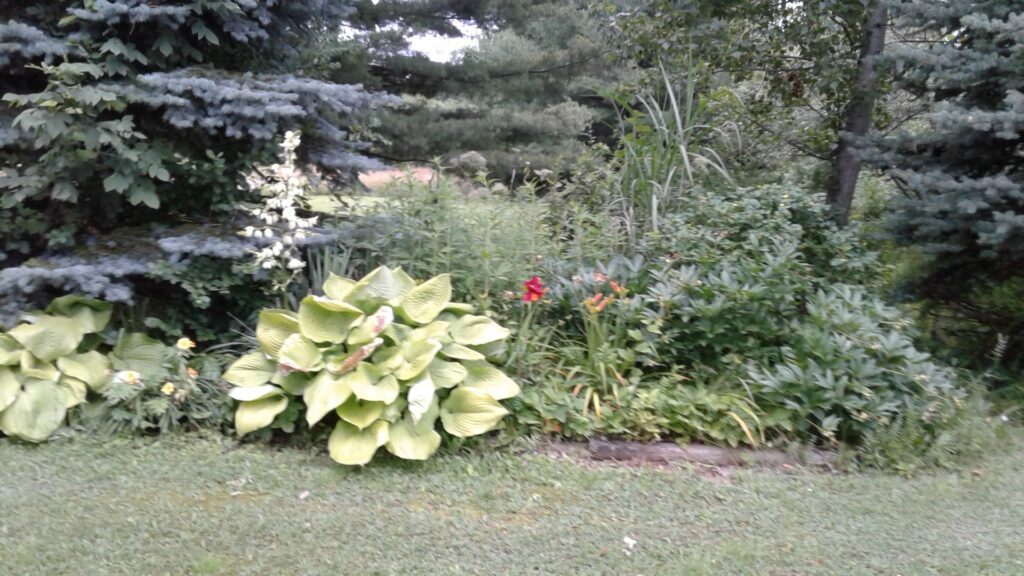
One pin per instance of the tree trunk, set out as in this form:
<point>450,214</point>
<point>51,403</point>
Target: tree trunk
<point>846,166</point>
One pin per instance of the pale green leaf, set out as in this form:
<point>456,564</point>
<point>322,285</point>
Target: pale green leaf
<point>253,393</point>
<point>10,351</point>
<point>274,327</point>
<point>325,393</point>
<point>477,330</point>
<point>460,352</point>
<point>74,390</point>
<point>379,287</point>
<point>138,352</point>
<point>251,416</point>
<point>371,326</point>
<point>383,390</point>
<point>37,412</point>
<point>337,287</point>
<point>469,412</point>
<point>91,314</point>
<point>486,378</point>
<point>420,396</point>
<point>387,360</point>
<point>50,337</point>
<point>32,367</point>
<point>10,387</point>
<point>92,368</point>
<point>360,413</point>
<point>326,320</point>
<point>351,446</point>
<point>426,301</point>
<point>417,354</point>
<point>446,374</point>
<point>411,444</point>
<point>252,369</point>
<point>300,353</point>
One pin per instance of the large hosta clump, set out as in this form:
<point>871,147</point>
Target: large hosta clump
<point>387,356</point>
<point>47,366</point>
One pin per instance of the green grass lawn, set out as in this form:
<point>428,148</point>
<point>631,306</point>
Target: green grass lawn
<point>191,506</point>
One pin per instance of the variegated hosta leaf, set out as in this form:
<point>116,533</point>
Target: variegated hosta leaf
<point>326,320</point>
<point>252,369</point>
<point>274,327</point>
<point>420,397</point>
<point>384,389</point>
<point>91,314</point>
<point>299,353</point>
<point>446,374</point>
<point>251,416</point>
<point>92,368</point>
<point>10,351</point>
<point>138,352</point>
<point>50,337</point>
<point>360,413</point>
<point>426,301</point>
<point>74,390</point>
<point>477,330</point>
<point>337,287</point>
<point>417,354</point>
<point>352,446</point>
<point>10,387</point>
<point>460,352</point>
<point>251,394</point>
<point>486,378</point>
<point>469,412</point>
<point>32,367</point>
<point>36,413</point>
<point>340,364</point>
<point>371,326</point>
<point>325,393</point>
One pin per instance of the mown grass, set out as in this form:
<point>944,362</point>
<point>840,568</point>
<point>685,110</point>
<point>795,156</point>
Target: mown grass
<point>191,506</point>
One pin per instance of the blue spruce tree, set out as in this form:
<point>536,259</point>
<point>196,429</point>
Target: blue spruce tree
<point>962,170</point>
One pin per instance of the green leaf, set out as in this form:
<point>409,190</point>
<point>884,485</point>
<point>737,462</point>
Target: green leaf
<point>91,314</point>
<point>10,351</point>
<point>351,446</point>
<point>274,327</point>
<point>251,416</point>
<point>446,374</point>
<point>437,329</point>
<point>92,368</point>
<point>50,337</point>
<point>252,369</point>
<point>139,352</point>
<point>326,320</point>
<point>10,387</point>
<point>37,412</point>
<point>383,390</point>
<point>495,352</point>
<point>382,286</point>
<point>426,301</point>
<point>394,410</point>
<point>418,354</point>
<point>469,412</point>
<point>74,391</point>
<point>460,352</point>
<point>486,378</point>
<point>32,367</point>
<point>413,442</point>
<point>477,330</point>
<point>300,353</point>
<point>360,413</point>
<point>459,308</point>
<point>337,287</point>
<point>294,383</point>
<point>325,393</point>
<point>254,393</point>
<point>387,360</point>
<point>420,397</point>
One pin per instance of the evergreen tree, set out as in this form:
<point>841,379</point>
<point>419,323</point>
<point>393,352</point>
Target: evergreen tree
<point>962,172</point>
<point>119,111</point>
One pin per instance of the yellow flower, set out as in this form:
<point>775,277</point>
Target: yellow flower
<point>185,344</point>
<point>167,388</point>
<point>192,373</point>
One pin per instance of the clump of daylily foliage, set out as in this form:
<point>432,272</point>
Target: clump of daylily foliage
<point>386,357</point>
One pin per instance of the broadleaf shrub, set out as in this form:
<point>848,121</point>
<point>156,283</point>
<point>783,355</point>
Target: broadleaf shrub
<point>383,358</point>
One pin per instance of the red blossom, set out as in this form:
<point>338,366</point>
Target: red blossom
<point>535,289</point>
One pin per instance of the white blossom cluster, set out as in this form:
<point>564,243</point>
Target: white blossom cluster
<point>284,186</point>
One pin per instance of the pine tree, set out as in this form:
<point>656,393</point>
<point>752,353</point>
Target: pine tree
<point>962,171</point>
<point>119,111</point>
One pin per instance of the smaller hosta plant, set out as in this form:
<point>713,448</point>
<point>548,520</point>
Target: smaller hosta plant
<point>48,365</point>
<point>384,358</point>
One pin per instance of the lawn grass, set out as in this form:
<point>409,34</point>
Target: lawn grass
<point>192,506</point>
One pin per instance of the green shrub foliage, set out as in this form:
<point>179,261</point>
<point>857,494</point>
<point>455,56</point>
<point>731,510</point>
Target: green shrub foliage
<point>385,358</point>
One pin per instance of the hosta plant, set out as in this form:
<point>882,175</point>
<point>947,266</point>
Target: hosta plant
<point>384,359</point>
<point>48,364</point>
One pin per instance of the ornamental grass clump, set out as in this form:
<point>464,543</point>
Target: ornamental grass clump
<point>383,358</point>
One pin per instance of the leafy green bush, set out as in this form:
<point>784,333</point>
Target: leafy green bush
<point>386,380</point>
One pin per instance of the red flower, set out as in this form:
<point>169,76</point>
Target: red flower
<point>534,289</point>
